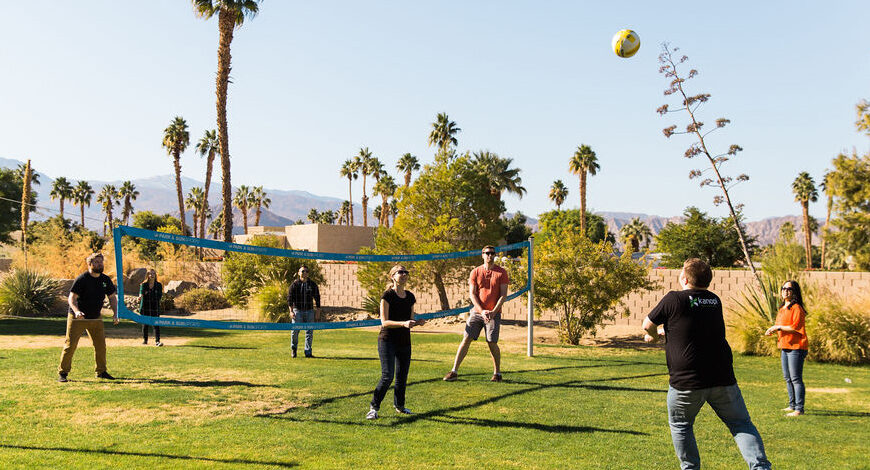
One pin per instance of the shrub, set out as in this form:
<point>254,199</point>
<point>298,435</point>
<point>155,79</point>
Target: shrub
<point>26,293</point>
<point>272,302</point>
<point>200,299</point>
<point>839,330</point>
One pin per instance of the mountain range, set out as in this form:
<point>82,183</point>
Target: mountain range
<point>157,194</point>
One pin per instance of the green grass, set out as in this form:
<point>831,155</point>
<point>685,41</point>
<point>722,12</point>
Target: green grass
<point>237,400</point>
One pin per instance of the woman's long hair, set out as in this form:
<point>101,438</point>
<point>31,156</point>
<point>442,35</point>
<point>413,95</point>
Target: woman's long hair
<point>145,282</point>
<point>797,297</point>
<point>393,270</point>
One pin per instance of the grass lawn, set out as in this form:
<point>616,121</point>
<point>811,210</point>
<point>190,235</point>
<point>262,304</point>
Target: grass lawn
<point>237,400</point>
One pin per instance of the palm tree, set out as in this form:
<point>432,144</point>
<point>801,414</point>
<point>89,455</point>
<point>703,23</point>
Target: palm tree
<point>327,217</point>
<point>350,170</point>
<point>804,189</point>
<point>407,164</point>
<point>558,193</point>
<point>635,232</point>
<point>175,140</point>
<point>363,163</point>
<point>128,193</point>
<point>231,15</point>
<point>208,146</point>
<point>61,189</point>
<point>261,200</point>
<point>196,200</point>
<point>376,168</point>
<point>584,161</point>
<point>386,186</point>
<point>216,227</point>
<point>500,175</point>
<point>313,216</point>
<point>826,187</point>
<point>82,194</point>
<point>443,133</point>
<point>344,213</point>
<point>106,198</point>
<point>21,169</point>
<point>242,200</point>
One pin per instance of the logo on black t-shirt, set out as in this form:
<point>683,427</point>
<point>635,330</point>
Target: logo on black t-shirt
<point>699,301</point>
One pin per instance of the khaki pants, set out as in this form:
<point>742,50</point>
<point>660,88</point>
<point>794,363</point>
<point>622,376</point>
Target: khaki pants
<point>74,330</point>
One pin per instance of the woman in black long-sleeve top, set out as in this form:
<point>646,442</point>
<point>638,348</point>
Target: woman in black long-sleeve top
<point>150,293</point>
<point>394,341</point>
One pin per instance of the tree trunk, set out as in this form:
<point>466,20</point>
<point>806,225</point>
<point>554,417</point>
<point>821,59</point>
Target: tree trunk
<point>82,207</point>
<point>257,215</point>
<point>407,179</point>
<point>808,238</point>
<point>824,236</point>
<point>226,23</point>
<point>208,167</point>
<point>177,162</point>
<point>442,291</point>
<point>583,202</point>
<point>365,203</point>
<point>350,199</point>
<point>244,210</point>
<point>61,208</point>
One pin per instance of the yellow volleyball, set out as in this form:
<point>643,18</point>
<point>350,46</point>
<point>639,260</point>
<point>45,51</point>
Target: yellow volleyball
<point>626,43</point>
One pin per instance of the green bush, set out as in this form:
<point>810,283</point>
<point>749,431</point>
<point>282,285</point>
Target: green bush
<point>272,302</point>
<point>839,330</point>
<point>199,299</point>
<point>27,293</point>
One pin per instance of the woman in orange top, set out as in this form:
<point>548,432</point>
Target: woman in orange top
<point>790,326</point>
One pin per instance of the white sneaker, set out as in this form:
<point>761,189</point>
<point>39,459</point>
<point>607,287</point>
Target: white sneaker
<point>404,411</point>
<point>372,414</point>
<point>158,344</point>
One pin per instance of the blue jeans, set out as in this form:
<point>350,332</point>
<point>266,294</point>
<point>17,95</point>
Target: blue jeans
<point>727,402</point>
<point>793,373</point>
<point>395,359</point>
<point>303,316</point>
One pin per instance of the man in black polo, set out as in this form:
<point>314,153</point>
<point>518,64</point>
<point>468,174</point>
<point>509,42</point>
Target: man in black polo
<point>85,305</point>
<point>304,301</point>
<point>700,365</point>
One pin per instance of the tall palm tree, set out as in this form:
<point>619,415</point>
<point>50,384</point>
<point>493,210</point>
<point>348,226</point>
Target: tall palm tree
<point>61,189</point>
<point>127,192</point>
<point>386,187</point>
<point>584,161</point>
<point>826,188</point>
<point>499,173</point>
<point>363,162</point>
<point>216,227</point>
<point>344,213</point>
<point>82,194</point>
<point>635,232</point>
<point>242,200</point>
<point>231,15</point>
<point>208,146</point>
<point>443,133</point>
<point>349,170</point>
<point>196,200</point>
<point>261,200</point>
<point>558,193</point>
<point>804,189</point>
<point>313,216</point>
<point>176,138</point>
<point>106,198</point>
<point>21,169</point>
<point>407,163</point>
<point>376,168</point>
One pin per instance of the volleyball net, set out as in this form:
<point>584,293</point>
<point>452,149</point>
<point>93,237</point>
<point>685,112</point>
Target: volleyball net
<point>218,285</point>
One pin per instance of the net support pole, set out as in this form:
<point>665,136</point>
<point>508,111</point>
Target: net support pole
<point>531,304</point>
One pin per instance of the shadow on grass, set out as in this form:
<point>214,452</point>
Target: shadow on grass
<point>155,455</point>
<point>203,346</point>
<point>195,383</point>
<point>444,414</point>
<point>56,326</point>
<point>851,414</point>
<point>351,358</point>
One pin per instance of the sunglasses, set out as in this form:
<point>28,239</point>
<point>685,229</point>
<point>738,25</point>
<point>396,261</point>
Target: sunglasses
<point>489,252</point>
<point>402,271</point>
<point>303,271</point>
<point>787,288</point>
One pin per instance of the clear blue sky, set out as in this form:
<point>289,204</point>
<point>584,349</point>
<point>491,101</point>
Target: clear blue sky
<point>87,89</point>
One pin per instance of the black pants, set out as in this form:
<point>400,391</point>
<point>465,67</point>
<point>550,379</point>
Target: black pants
<point>395,359</point>
<point>156,333</point>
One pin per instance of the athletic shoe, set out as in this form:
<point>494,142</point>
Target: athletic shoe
<point>144,342</point>
<point>495,378</point>
<point>372,414</point>
<point>105,375</point>
<point>158,344</point>
<point>794,413</point>
<point>61,377</point>
<point>451,376</point>
<point>309,355</point>
<point>292,353</point>
<point>404,411</point>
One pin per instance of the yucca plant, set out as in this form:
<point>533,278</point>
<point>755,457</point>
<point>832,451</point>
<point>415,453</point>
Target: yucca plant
<point>27,293</point>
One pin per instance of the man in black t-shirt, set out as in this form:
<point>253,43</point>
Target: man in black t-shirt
<point>700,367</point>
<point>85,305</point>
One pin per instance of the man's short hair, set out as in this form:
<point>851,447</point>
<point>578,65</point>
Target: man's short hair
<point>488,247</point>
<point>93,256</point>
<point>698,273</point>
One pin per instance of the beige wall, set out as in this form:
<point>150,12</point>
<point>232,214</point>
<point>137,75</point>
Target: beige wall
<point>317,237</point>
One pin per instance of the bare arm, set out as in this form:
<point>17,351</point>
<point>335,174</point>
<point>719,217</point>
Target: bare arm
<point>73,302</point>
<point>651,329</point>
<point>113,303</point>
<point>785,329</point>
<point>387,323</point>
<point>475,300</point>
<point>503,291</point>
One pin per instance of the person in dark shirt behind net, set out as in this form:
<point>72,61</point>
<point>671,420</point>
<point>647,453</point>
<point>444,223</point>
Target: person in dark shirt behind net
<point>85,305</point>
<point>700,367</point>
<point>304,301</point>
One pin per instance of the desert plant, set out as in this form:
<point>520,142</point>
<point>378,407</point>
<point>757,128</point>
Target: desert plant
<point>26,293</point>
<point>200,299</point>
<point>839,329</point>
<point>272,301</point>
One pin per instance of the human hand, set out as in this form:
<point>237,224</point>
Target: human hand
<point>78,314</point>
<point>771,330</point>
<point>647,338</point>
<point>292,314</point>
<point>115,319</point>
<point>410,324</point>
<point>487,315</point>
